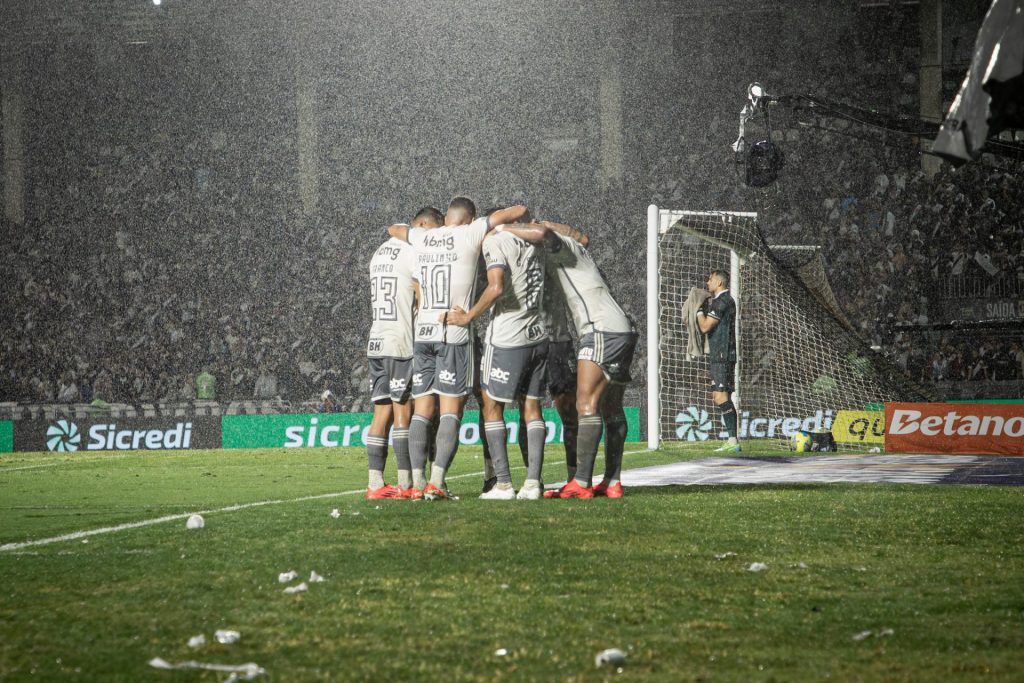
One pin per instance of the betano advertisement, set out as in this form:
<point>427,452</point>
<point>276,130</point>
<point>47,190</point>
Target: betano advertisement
<point>967,428</point>
<point>331,430</point>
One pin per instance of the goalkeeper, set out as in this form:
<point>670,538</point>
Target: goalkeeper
<point>717,320</point>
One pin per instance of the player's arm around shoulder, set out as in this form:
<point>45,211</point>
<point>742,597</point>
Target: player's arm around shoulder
<point>513,214</point>
<point>572,233</point>
<point>400,231</point>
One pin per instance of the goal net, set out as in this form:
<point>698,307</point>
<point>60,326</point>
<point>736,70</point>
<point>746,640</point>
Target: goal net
<point>800,359</point>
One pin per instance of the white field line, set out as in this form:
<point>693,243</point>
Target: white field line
<point>230,508</point>
<point>70,461</point>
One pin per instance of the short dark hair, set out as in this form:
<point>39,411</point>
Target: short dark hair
<point>722,275</point>
<point>429,213</point>
<point>464,203</point>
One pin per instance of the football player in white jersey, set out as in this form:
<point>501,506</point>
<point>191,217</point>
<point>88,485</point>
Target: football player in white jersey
<point>515,355</point>
<point>561,381</point>
<point>389,352</point>
<point>607,344</point>
<point>443,362</point>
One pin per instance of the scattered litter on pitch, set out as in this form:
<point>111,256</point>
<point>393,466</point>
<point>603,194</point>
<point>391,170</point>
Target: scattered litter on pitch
<point>285,577</point>
<point>799,565</point>
<point>757,567</point>
<point>195,522</point>
<point>335,513</point>
<point>301,588</point>
<point>225,637</point>
<point>197,641</point>
<point>882,633</point>
<point>501,652</point>
<point>613,656</point>
<point>239,672</point>
<point>315,578</point>
<point>725,556</point>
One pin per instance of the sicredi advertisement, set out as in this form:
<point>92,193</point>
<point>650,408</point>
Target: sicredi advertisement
<point>331,430</point>
<point>69,435</point>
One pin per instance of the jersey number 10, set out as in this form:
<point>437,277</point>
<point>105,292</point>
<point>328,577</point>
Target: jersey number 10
<point>435,286</point>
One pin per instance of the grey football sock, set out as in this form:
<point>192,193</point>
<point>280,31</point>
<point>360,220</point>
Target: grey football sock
<point>376,456</point>
<point>524,442</point>
<point>614,444</point>
<point>589,438</point>
<point>536,431</point>
<point>419,437</point>
<point>497,439</point>
<point>400,442</point>
<point>570,429</point>
<point>447,444</point>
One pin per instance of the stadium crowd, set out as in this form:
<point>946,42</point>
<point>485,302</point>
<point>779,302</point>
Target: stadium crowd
<point>271,300</point>
<point>281,313</point>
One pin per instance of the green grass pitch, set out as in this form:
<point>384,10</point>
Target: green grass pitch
<point>431,591</point>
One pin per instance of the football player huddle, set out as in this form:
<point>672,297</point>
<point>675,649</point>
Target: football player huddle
<point>425,359</point>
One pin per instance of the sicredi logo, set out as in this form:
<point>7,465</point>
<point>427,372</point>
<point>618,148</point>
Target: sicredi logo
<point>906,422</point>
<point>63,436</point>
<point>695,424</point>
<point>330,436</point>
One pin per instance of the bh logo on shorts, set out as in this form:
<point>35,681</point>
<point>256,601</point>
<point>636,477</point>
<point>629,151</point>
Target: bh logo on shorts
<point>694,424</point>
<point>586,353</point>
<point>499,375</point>
<point>446,377</point>
<point>63,436</point>
<point>397,384</point>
